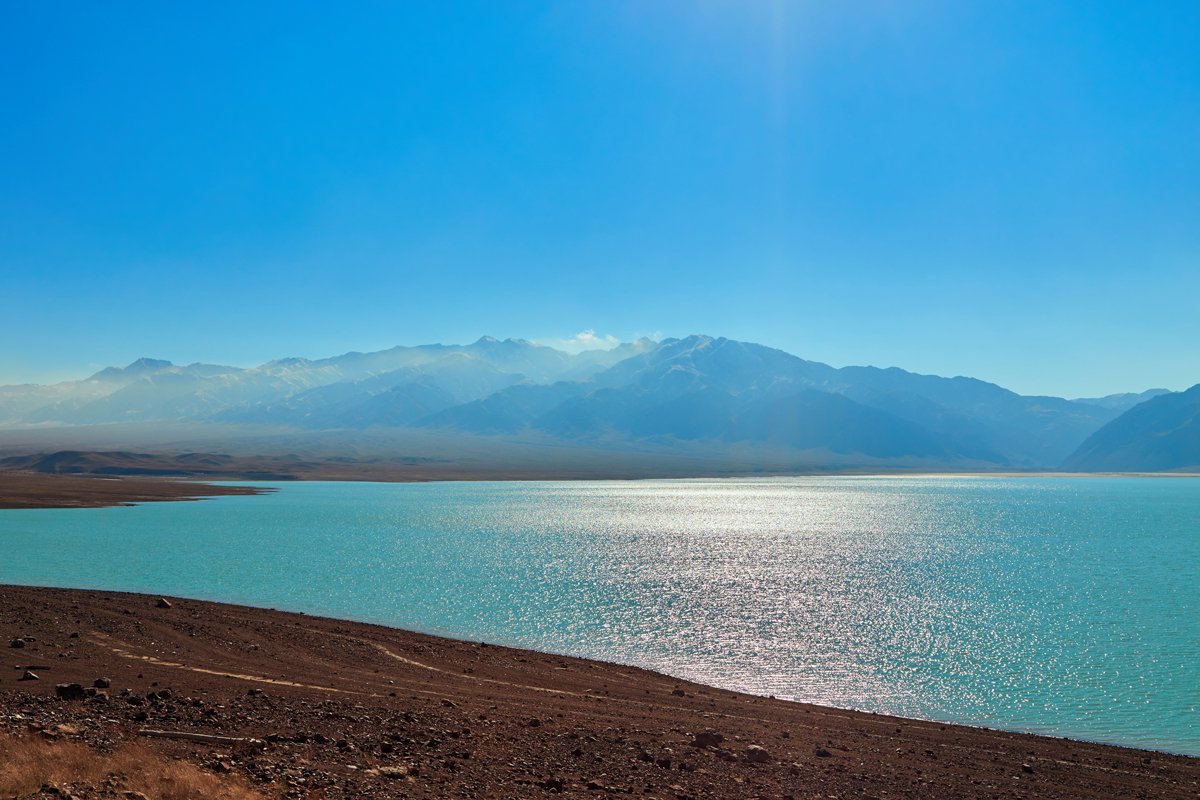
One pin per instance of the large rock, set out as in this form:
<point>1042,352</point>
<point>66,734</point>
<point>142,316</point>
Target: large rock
<point>70,691</point>
<point>757,755</point>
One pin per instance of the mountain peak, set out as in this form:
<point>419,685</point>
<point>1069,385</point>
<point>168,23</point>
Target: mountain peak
<point>289,361</point>
<point>142,366</point>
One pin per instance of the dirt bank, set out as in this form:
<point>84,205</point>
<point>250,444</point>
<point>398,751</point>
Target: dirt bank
<point>351,710</point>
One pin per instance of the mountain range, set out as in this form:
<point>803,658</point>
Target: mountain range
<point>695,394</point>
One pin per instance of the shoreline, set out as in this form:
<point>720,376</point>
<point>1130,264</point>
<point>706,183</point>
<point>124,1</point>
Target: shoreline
<point>285,676</point>
<point>38,490</point>
<point>32,490</point>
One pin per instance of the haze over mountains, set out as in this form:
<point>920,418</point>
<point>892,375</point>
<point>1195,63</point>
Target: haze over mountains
<point>693,395</point>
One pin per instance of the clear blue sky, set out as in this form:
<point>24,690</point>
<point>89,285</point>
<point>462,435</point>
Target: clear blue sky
<point>1009,190</point>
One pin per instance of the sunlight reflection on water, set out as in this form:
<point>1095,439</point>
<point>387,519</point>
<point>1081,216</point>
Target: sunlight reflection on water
<point>1068,606</point>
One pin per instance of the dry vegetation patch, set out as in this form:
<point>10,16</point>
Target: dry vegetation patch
<point>28,764</point>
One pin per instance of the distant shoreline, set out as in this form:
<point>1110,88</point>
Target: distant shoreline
<point>35,490</point>
<point>26,490</point>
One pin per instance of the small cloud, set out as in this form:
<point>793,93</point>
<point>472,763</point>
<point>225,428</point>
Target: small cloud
<point>584,340</point>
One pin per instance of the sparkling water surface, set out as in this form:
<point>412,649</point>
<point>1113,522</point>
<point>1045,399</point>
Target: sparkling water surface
<point>1066,606</point>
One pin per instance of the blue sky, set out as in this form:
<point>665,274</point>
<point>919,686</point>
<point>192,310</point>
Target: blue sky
<point>1000,189</point>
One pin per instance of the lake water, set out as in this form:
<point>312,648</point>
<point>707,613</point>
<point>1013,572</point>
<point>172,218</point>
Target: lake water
<point>1068,606</point>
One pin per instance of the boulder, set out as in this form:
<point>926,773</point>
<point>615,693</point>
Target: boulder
<point>707,739</point>
<point>757,755</point>
<point>70,691</point>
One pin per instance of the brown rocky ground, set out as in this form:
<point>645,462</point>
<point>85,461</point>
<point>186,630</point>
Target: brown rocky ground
<point>340,710</point>
<point>37,490</point>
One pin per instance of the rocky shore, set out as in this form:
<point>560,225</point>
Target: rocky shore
<point>289,705</point>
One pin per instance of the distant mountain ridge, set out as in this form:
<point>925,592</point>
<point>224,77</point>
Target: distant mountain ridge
<point>1159,435</point>
<point>695,392</point>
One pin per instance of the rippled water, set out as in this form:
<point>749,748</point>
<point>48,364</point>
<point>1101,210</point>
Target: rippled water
<point>1068,606</point>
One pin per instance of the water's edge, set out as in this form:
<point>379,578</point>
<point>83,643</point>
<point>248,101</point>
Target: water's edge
<point>1050,606</point>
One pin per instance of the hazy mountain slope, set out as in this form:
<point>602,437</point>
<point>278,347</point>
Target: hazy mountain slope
<point>143,366</point>
<point>284,391</point>
<point>146,389</point>
<point>509,411</point>
<point>391,398</point>
<point>809,419</point>
<point>705,388</point>
<point>23,403</point>
<point>815,419</point>
<point>697,390</point>
<point>1025,431</point>
<point>700,388</point>
<point>695,362</point>
<point>1163,433</point>
<point>959,432</point>
<point>591,362</point>
<point>1123,401</point>
<point>632,396</point>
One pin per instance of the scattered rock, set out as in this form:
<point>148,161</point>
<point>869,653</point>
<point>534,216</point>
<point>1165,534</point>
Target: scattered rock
<point>1026,768</point>
<point>448,703</point>
<point>17,643</point>
<point>678,692</point>
<point>821,752</point>
<point>101,683</point>
<point>534,722</point>
<point>28,675</point>
<point>707,739</point>
<point>163,603</point>
<point>757,755</point>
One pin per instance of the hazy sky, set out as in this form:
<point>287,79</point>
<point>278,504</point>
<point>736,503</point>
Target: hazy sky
<point>1009,190</point>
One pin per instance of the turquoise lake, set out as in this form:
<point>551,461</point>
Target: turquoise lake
<point>1066,606</point>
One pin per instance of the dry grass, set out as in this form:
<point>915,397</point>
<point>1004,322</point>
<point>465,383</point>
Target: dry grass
<point>28,763</point>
